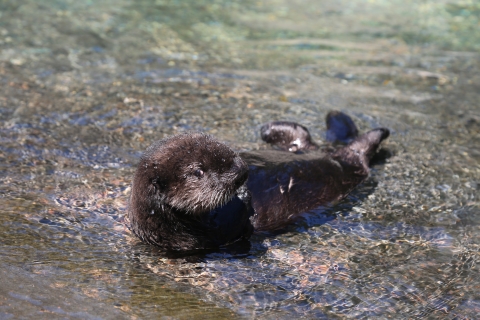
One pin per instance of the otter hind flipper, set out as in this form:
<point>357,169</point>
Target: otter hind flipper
<point>340,127</point>
<point>371,140</point>
<point>363,148</point>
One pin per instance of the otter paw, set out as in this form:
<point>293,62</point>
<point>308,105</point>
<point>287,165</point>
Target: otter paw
<point>287,136</point>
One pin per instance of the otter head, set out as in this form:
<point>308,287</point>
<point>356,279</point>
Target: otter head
<point>191,173</point>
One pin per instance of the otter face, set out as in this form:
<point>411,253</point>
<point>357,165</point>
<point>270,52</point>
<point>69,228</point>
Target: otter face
<point>191,172</point>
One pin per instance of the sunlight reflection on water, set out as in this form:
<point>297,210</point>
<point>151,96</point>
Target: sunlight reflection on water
<point>86,86</point>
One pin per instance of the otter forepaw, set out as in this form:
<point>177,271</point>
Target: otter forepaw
<point>287,136</point>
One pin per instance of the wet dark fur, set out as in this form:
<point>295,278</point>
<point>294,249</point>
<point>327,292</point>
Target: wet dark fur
<point>181,189</point>
<point>286,184</point>
<point>191,191</point>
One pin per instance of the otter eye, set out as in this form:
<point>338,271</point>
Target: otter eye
<point>198,173</point>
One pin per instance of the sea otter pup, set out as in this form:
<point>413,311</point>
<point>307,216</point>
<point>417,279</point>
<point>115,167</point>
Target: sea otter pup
<point>191,191</point>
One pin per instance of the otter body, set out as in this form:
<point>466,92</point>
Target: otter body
<point>191,191</point>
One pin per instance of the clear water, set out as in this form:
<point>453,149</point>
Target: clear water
<point>87,85</point>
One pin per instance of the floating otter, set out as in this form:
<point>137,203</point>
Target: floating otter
<point>191,191</point>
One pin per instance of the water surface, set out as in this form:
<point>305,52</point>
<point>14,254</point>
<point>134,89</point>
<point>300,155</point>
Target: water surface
<point>87,86</point>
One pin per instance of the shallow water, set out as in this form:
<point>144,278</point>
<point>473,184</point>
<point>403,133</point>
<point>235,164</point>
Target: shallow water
<point>86,86</point>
